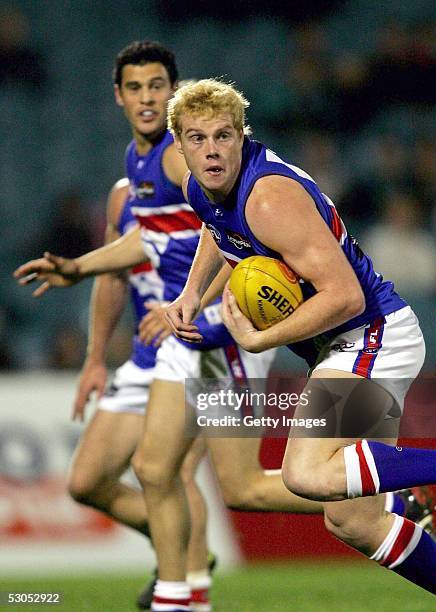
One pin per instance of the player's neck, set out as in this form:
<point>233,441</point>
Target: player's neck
<point>144,143</point>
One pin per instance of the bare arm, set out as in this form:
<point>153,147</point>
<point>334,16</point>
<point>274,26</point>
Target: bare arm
<point>57,271</point>
<point>107,304</point>
<point>284,217</point>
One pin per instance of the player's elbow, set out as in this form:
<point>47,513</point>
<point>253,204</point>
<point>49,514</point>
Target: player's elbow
<point>354,302</point>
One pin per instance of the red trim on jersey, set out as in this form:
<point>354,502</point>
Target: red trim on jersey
<point>143,267</point>
<point>232,262</point>
<point>336,224</point>
<point>173,222</point>
<point>368,485</point>
<point>403,539</point>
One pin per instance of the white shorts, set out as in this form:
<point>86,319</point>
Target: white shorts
<point>390,351</point>
<point>176,362</point>
<point>129,390</point>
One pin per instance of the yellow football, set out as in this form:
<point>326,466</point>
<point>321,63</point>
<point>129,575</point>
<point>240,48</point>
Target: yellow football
<point>266,290</point>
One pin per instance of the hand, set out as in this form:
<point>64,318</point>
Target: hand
<point>93,378</point>
<point>239,326</point>
<point>180,313</point>
<point>54,271</point>
<point>154,326</point>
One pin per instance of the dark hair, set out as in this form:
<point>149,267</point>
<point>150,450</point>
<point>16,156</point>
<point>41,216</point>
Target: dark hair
<point>145,52</point>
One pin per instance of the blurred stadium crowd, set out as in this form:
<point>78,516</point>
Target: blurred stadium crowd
<point>347,93</point>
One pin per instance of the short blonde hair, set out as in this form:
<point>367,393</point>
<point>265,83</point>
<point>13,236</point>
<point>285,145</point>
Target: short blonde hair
<point>207,98</point>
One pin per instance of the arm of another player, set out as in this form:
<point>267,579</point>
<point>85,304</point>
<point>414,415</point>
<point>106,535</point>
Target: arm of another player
<point>55,271</point>
<point>284,217</point>
<point>207,263</point>
<point>107,304</point>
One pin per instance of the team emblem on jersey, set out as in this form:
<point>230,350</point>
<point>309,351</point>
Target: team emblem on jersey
<point>239,241</point>
<point>341,347</point>
<point>215,233</point>
<point>219,212</point>
<point>145,189</point>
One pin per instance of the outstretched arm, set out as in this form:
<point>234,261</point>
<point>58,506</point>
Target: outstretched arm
<point>55,271</point>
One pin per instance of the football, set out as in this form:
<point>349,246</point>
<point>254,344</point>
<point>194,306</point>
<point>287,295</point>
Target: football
<point>266,290</point>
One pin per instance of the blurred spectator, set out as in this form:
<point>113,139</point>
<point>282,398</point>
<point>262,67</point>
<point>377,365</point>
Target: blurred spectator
<point>424,177</point>
<point>319,155</point>
<point>6,360</point>
<point>401,248</point>
<point>70,230</point>
<point>362,200</point>
<point>20,63</point>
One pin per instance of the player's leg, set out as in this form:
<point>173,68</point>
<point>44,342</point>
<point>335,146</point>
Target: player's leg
<point>245,485</point>
<point>198,575</point>
<point>106,447</point>
<point>157,463</point>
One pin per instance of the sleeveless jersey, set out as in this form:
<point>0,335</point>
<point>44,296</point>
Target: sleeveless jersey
<point>145,285</point>
<point>171,231</point>
<point>227,223</point>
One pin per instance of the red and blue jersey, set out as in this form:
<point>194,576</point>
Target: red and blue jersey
<point>227,223</point>
<point>145,285</point>
<point>170,233</point>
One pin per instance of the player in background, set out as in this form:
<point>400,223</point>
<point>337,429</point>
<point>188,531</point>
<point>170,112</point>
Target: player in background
<point>143,87</point>
<point>110,439</point>
<point>281,212</point>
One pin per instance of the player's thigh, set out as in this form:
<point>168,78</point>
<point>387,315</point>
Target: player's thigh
<point>106,446</point>
<point>164,442</point>
<point>348,408</point>
<point>235,460</point>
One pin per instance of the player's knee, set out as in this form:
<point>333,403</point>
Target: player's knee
<point>305,483</point>
<point>151,471</point>
<point>81,488</point>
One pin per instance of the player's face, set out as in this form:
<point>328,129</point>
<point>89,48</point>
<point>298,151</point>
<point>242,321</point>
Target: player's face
<point>144,93</point>
<point>213,152</point>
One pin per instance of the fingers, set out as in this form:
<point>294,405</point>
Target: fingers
<point>29,271</point>
<point>177,324</point>
<point>41,289</point>
<point>161,337</point>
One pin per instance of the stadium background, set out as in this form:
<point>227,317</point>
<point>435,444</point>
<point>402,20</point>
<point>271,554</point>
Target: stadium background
<point>343,89</point>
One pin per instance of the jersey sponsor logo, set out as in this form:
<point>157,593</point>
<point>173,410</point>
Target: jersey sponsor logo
<point>216,235</point>
<point>145,189</point>
<point>341,347</point>
<point>238,240</point>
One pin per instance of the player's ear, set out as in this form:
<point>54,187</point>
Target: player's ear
<point>118,98</point>
<point>178,143</point>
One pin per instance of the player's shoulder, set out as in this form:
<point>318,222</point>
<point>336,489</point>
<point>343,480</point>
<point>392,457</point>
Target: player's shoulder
<point>174,165</point>
<point>116,200</point>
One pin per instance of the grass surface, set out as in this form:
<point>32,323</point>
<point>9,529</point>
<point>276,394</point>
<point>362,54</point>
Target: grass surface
<point>261,588</point>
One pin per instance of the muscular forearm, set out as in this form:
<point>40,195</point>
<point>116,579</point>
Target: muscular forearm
<point>123,253</point>
<point>107,304</point>
<point>320,313</point>
<point>207,263</point>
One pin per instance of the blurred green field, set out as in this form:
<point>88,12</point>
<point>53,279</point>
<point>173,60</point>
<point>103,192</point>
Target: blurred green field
<point>260,588</point>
